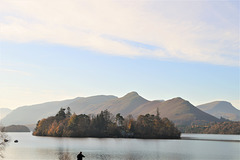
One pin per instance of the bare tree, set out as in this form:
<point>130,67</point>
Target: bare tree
<point>3,139</point>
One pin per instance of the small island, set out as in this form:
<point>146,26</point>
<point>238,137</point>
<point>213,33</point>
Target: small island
<point>106,125</point>
<point>15,128</point>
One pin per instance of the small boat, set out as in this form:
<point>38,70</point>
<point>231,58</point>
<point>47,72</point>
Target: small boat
<point>6,140</point>
<point>16,141</point>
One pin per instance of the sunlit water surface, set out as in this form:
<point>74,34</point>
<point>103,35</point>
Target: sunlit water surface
<point>190,147</point>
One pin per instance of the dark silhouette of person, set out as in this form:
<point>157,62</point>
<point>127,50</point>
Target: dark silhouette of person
<point>80,156</point>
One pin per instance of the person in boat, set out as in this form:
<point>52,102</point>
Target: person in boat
<point>80,156</point>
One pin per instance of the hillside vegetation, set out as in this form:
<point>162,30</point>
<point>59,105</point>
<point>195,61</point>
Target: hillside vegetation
<point>227,127</point>
<point>15,128</point>
<point>105,124</point>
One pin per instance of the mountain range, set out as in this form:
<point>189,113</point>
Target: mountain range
<point>4,112</point>
<point>221,109</point>
<point>180,111</point>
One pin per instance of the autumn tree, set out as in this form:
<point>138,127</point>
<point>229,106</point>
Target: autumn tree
<point>105,124</point>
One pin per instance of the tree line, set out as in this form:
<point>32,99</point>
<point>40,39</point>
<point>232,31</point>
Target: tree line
<point>227,127</point>
<point>105,124</point>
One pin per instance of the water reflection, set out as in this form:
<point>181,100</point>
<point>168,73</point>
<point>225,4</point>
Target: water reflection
<point>3,143</point>
<point>52,148</point>
<point>103,157</point>
<point>133,157</point>
<point>2,147</point>
<point>64,155</point>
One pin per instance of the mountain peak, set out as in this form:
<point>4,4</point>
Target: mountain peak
<point>223,102</point>
<point>132,94</point>
<point>179,99</point>
<point>216,104</point>
<point>221,109</point>
<point>177,109</point>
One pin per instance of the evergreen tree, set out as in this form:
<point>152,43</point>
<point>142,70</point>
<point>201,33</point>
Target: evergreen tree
<point>61,114</point>
<point>119,119</point>
<point>68,114</point>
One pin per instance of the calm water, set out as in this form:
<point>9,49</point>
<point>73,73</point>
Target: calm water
<point>191,147</point>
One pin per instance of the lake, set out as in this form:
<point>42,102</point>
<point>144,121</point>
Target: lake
<point>190,147</point>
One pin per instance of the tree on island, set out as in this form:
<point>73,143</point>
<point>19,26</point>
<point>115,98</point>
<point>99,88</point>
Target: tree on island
<point>68,114</point>
<point>105,124</point>
<point>61,114</point>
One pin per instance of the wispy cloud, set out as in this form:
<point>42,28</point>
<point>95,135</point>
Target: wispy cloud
<point>15,72</point>
<point>176,30</point>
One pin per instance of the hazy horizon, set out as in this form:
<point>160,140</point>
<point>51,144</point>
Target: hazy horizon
<point>112,95</point>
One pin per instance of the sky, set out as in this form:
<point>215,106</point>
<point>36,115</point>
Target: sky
<point>56,50</point>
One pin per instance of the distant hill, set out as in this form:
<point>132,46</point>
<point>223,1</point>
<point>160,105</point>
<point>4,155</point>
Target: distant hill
<point>85,105</point>
<point>4,112</point>
<point>178,110</point>
<point>31,114</point>
<point>221,109</point>
<point>125,105</point>
<point>15,128</point>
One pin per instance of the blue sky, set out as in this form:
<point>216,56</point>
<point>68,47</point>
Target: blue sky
<point>160,49</point>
